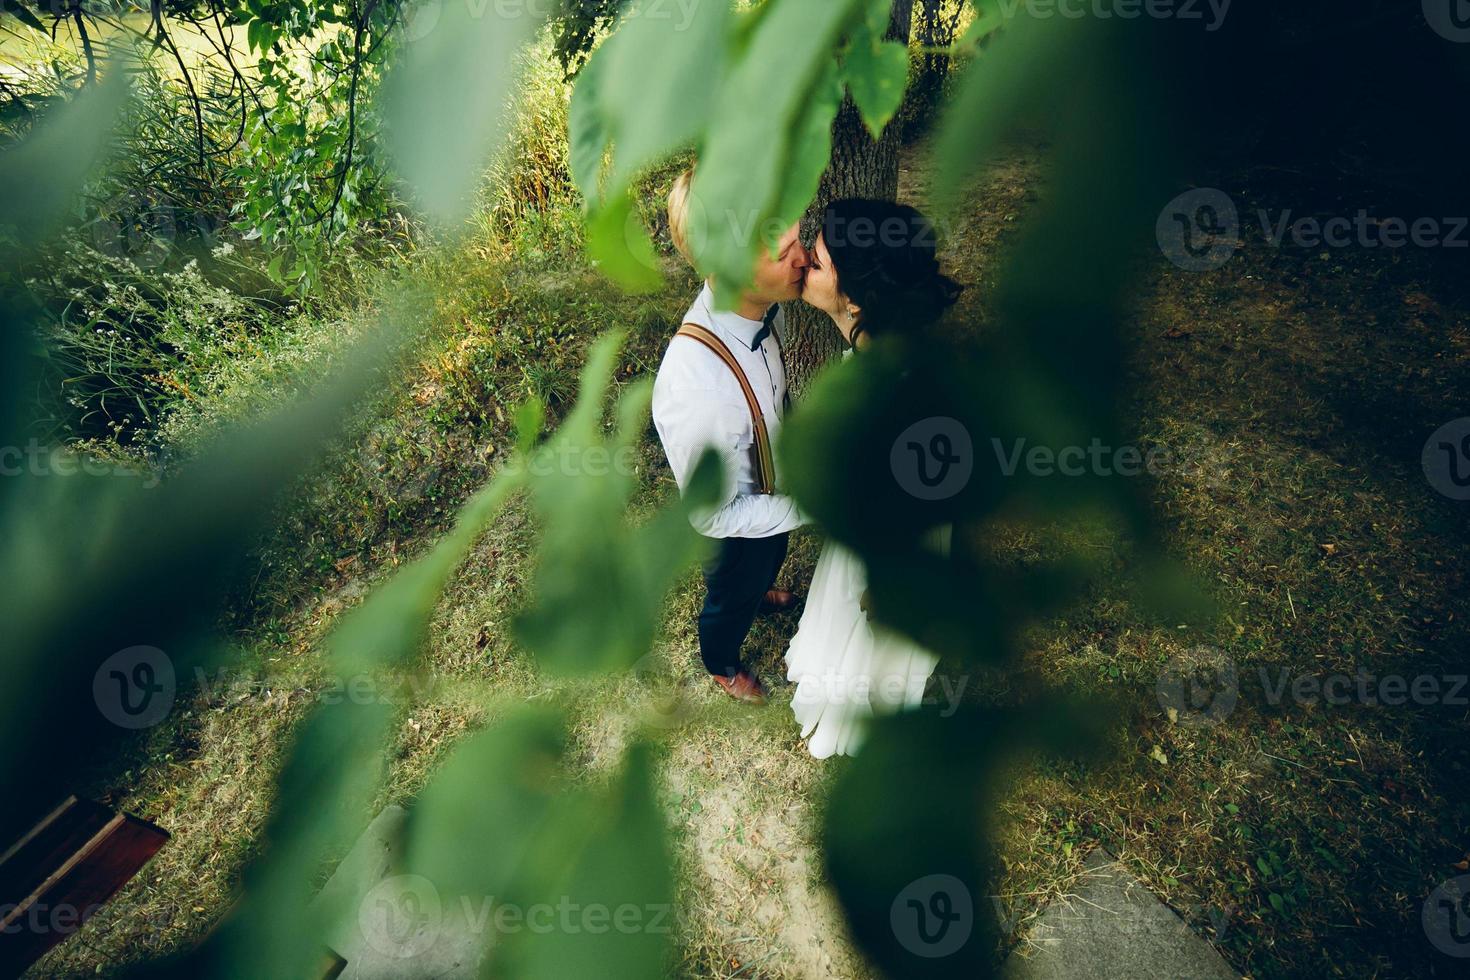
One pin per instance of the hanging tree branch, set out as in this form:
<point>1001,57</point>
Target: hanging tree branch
<point>165,38</point>
<point>81,22</point>
<point>357,58</point>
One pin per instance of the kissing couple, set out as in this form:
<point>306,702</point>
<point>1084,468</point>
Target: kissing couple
<point>722,386</point>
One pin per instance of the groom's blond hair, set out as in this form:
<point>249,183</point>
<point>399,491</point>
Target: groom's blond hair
<point>679,196</point>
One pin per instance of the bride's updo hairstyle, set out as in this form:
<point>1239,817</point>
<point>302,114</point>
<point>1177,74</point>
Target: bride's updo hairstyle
<point>884,257</point>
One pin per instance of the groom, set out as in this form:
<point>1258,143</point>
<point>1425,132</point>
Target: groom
<point>722,385</point>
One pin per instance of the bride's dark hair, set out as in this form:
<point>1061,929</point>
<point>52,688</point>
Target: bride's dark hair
<point>884,257</point>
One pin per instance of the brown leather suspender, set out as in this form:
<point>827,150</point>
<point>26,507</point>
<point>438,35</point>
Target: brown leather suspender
<point>765,462</point>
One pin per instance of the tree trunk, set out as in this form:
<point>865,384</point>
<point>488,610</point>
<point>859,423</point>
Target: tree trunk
<point>933,28</point>
<point>860,167</point>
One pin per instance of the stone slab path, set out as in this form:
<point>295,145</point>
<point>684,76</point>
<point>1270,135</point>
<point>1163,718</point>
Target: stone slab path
<point>1114,927</point>
<point>399,929</point>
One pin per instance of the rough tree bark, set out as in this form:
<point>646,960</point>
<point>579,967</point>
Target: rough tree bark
<point>860,167</point>
<point>934,27</point>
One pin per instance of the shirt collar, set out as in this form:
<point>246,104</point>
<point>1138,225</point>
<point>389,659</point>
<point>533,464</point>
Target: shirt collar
<point>733,324</point>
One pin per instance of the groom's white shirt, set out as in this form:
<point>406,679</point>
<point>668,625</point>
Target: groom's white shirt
<point>698,404</point>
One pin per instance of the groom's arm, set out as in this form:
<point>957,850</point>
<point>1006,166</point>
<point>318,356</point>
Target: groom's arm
<point>689,421</point>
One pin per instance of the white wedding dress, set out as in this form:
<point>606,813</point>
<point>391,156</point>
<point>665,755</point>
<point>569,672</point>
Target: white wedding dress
<point>845,667</point>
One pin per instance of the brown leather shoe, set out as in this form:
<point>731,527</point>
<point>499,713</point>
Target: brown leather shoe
<point>776,601</point>
<point>744,686</point>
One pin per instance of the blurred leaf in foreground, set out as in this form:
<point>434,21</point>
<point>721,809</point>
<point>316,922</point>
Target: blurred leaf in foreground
<point>876,71</point>
<point>41,175</point>
<point>600,582</point>
<point>647,92</point>
<point>472,827</point>
<point>445,101</point>
<point>907,832</point>
<point>150,566</point>
<point>603,865</point>
<point>336,764</point>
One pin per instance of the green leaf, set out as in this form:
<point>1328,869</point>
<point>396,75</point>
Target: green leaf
<point>588,131</point>
<point>445,103</point>
<point>339,753</point>
<point>989,17</point>
<point>743,163</point>
<point>41,175</point>
<point>599,582</point>
<point>388,629</point>
<point>605,859</point>
<point>152,559</point>
<point>656,82</point>
<point>463,803</point>
<point>1019,71</point>
<point>876,73</point>
<point>530,419</point>
<point>811,149</point>
<point>624,252</point>
<point>17,10</point>
<point>905,777</point>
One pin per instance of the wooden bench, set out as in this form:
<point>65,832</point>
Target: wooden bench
<point>61,871</point>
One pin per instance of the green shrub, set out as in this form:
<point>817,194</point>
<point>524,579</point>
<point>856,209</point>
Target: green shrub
<point>129,339</point>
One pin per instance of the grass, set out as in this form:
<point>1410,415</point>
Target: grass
<point>1300,839</point>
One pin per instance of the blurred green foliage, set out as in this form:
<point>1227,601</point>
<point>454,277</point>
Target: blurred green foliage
<point>755,91</point>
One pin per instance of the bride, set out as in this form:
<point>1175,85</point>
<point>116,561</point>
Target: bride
<point>873,271</point>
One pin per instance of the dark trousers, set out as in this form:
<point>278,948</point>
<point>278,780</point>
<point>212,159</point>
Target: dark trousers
<point>737,578</point>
